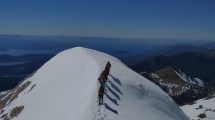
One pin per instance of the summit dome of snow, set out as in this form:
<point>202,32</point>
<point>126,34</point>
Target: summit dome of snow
<point>65,88</point>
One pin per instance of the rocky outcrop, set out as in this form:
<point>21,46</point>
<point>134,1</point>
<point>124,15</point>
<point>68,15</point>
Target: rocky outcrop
<point>14,113</point>
<point>181,91</point>
<point>32,87</point>
<point>9,97</point>
<point>13,94</point>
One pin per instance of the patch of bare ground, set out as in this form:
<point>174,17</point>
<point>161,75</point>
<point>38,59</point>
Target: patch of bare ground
<point>5,117</point>
<point>13,94</point>
<point>14,113</point>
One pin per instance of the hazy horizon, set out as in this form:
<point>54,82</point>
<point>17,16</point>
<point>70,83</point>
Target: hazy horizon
<point>184,40</point>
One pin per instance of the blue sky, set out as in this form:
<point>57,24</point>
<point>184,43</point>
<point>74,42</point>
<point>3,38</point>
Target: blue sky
<point>179,19</point>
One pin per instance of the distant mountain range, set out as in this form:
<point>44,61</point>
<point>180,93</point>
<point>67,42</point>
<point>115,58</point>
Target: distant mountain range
<point>186,77</point>
<point>3,50</point>
<point>196,64</point>
<point>175,49</point>
<point>182,89</point>
<point>118,47</point>
<point>24,58</point>
<point>210,45</point>
<point>13,69</point>
<point>166,51</point>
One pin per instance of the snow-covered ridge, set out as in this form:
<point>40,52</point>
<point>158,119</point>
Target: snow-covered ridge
<point>65,88</point>
<point>188,79</point>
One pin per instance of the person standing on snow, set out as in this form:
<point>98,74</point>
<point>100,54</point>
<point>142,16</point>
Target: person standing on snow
<point>102,90</point>
<point>101,80</point>
<point>106,71</point>
<point>107,67</point>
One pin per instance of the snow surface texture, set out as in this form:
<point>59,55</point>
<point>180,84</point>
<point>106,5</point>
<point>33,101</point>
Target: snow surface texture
<point>202,106</point>
<point>65,88</point>
<point>188,79</point>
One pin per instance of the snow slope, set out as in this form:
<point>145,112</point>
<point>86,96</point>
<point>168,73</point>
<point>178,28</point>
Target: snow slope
<point>188,79</point>
<point>65,88</point>
<point>195,109</point>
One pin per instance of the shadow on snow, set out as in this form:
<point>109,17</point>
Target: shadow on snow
<point>111,99</point>
<point>111,109</point>
<point>116,80</point>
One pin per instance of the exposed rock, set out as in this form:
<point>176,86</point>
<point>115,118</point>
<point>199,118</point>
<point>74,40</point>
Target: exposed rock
<point>200,107</point>
<point>13,94</point>
<point>2,111</point>
<point>19,90</point>
<point>5,100</point>
<point>3,94</point>
<point>16,111</point>
<point>5,117</point>
<point>181,91</point>
<point>32,87</point>
<point>203,115</point>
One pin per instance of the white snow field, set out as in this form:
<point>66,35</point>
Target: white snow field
<point>202,106</point>
<point>65,88</point>
<point>188,79</point>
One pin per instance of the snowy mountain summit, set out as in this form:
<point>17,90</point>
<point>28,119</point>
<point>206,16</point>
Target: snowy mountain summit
<point>66,88</point>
